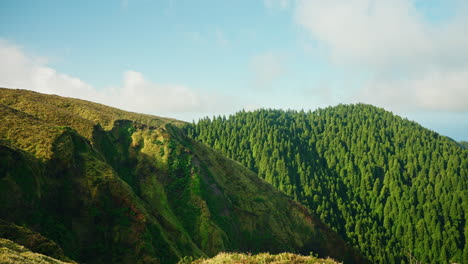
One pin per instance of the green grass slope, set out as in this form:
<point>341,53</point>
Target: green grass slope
<point>109,186</point>
<point>12,253</point>
<point>395,190</point>
<point>31,240</point>
<point>265,258</point>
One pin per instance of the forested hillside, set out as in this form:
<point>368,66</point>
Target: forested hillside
<point>397,191</point>
<point>464,144</point>
<point>95,184</point>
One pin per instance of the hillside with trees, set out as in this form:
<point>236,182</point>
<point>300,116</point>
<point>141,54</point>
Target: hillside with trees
<point>395,190</point>
<point>464,144</point>
<point>84,182</point>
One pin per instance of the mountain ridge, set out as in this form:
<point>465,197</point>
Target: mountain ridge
<point>383,182</point>
<point>77,171</point>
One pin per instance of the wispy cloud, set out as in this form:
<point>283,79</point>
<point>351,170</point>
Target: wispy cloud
<point>421,62</point>
<point>267,68</point>
<point>19,70</point>
<point>384,34</point>
<point>195,37</point>
<point>431,90</point>
<point>221,38</point>
<point>124,4</point>
<point>136,93</point>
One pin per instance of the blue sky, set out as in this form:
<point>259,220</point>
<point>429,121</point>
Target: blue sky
<point>187,59</point>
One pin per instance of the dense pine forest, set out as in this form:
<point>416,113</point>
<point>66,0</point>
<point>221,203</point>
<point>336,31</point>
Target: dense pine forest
<point>464,144</point>
<point>395,190</point>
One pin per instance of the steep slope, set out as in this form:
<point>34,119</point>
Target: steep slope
<point>113,186</point>
<point>12,253</point>
<point>394,189</point>
<point>31,240</point>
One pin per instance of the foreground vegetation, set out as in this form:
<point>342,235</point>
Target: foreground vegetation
<point>395,190</point>
<point>263,258</point>
<point>12,253</point>
<point>32,241</point>
<point>109,186</point>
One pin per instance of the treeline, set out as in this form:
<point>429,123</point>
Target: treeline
<point>464,144</point>
<point>395,190</point>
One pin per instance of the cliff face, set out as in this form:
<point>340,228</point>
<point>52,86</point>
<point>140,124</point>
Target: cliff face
<point>112,186</point>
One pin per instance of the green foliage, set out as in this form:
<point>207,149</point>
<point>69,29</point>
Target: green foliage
<point>387,185</point>
<point>109,186</point>
<point>283,258</point>
<point>32,240</point>
<point>463,144</point>
<point>12,253</point>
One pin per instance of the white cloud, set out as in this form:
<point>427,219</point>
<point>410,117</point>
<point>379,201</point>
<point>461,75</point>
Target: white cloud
<point>21,71</point>
<point>137,94</point>
<point>382,33</point>
<point>390,39</point>
<point>267,68</point>
<point>141,95</point>
<point>433,90</point>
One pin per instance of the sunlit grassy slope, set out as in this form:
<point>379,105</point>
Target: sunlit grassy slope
<point>265,258</point>
<point>31,240</point>
<point>12,253</point>
<point>110,186</point>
